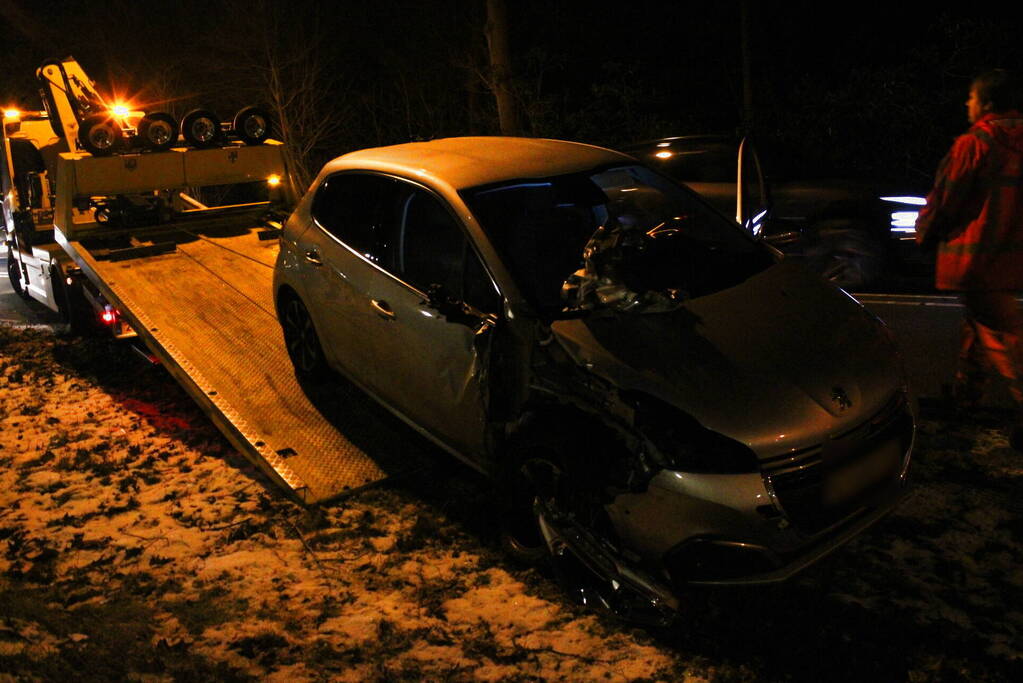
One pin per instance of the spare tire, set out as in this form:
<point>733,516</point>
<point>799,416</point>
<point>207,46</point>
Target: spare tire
<point>100,135</point>
<point>158,131</point>
<point>252,125</point>
<point>201,128</point>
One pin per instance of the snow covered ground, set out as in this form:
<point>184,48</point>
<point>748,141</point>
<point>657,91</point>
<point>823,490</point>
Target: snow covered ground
<point>135,544</point>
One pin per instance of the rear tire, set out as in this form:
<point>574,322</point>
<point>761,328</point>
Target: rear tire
<point>301,340</point>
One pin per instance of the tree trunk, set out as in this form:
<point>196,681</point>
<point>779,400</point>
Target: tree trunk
<point>500,67</point>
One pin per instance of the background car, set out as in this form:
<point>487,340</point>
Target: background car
<point>855,233</point>
<point>658,400</point>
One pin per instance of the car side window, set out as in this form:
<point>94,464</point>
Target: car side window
<point>351,207</point>
<point>432,249</point>
<point>431,245</point>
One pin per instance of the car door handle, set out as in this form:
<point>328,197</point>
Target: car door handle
<point>382,309</point>
<point>313,257</point>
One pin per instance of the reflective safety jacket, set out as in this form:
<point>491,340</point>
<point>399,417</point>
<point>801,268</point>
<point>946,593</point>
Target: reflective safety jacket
<point>975,210</point>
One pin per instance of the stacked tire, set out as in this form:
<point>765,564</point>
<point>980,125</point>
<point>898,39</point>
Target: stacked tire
<point>103,135</point>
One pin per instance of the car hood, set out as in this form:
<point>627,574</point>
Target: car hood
<point>780,362</point>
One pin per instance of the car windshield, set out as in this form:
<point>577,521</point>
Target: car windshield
<point>541,228</point>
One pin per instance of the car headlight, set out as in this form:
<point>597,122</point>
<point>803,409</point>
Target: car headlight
<point>905,209</point>
<point>685,444</point>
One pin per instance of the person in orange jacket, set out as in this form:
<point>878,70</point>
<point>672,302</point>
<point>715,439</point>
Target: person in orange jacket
<point>974,214</point>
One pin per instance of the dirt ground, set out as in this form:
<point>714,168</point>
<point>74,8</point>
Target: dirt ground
<point>135,544</point>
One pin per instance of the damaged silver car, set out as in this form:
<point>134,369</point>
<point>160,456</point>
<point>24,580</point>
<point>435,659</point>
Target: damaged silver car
<point>661,400</point>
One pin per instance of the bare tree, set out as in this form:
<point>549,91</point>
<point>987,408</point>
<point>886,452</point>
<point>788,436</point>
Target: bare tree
<point>283,62</point>
<point>500,67</point>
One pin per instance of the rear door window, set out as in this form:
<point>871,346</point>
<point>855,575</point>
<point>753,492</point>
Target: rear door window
<point>351,207</point>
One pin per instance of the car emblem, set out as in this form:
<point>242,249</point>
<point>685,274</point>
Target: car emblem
<point>841,398</point>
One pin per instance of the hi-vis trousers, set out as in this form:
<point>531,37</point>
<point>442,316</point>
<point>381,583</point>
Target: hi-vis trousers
<point>990,342</point>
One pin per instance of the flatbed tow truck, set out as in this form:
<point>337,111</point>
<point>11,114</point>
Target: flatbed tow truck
<point>134,240</point>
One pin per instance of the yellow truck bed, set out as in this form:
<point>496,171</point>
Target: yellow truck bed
<point>205,310</point>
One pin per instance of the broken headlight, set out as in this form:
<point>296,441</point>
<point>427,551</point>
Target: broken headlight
<point>687,446</point>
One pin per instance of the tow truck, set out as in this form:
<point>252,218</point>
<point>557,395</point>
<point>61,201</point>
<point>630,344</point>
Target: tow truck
<point>111,220</point>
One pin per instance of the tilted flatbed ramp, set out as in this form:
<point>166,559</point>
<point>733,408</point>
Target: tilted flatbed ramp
<point>205,309</point>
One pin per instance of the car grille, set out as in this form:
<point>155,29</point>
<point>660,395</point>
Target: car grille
<point>800,479</point>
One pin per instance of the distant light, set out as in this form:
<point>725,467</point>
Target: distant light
<point>120,111</point>
<point>664,144</point>
<point>664,155</point>
<point>915,201</point>
<point>755,225</point>
<point>109,317</point>
<point>68,280</point>
<point>904,221</point>
<point>11,113</point>
<point>274,180</point>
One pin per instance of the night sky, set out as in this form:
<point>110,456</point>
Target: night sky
<point>858,90</point>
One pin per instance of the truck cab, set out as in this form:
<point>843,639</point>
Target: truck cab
<point>30,150</point>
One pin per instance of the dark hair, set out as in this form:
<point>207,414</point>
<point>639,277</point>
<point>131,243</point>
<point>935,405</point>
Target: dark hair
<point>999,88</point>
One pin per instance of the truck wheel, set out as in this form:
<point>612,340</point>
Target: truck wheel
<point>201,128</point>
<point>252,125</point>
<point>849,257</point>
<point>14,275</point>
<point>100,135</point>
<point>301,340</point>
<point>158,131</point>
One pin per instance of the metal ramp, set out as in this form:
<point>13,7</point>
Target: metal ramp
<point>205,310</point>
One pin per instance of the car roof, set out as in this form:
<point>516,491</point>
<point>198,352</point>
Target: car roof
<point>472,161</point>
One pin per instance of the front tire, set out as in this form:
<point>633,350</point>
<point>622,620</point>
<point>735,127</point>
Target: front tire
<point>563,462</point>
<point>14,275</point>
<point>300,339</point>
